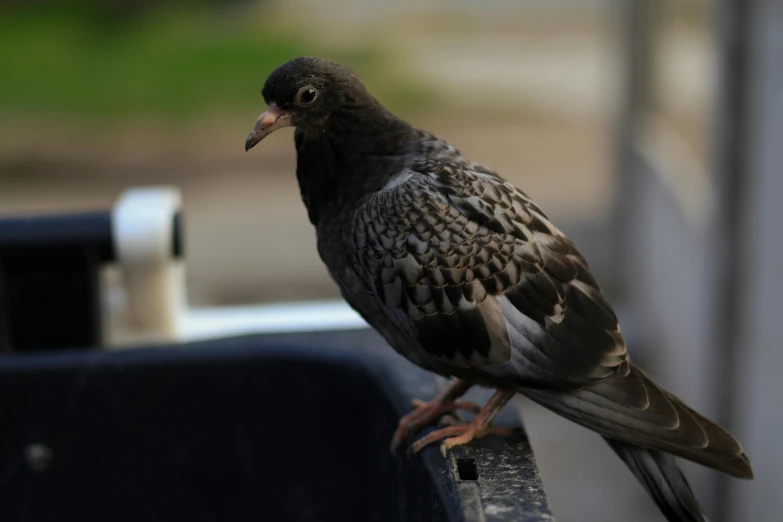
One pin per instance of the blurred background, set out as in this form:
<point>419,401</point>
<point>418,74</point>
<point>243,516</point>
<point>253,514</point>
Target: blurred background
<point>626,120</point>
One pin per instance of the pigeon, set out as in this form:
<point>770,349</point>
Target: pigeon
<point>465,276</point>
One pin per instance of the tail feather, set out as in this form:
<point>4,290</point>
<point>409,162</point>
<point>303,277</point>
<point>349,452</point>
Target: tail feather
<point>629,407</point>
<point>663,480</point>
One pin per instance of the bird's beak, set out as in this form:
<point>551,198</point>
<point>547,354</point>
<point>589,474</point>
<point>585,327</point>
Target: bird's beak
<point>270,120</point>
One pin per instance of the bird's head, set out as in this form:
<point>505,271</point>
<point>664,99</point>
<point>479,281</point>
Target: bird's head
<point>304,93</point>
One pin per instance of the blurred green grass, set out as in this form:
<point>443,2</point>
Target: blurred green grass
<point>167,63</point>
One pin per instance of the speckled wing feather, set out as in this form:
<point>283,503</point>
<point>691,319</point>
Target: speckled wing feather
<point>482,278</point>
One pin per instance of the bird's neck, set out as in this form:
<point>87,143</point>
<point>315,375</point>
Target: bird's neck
<point>366,129</point>
<point>353,154</point>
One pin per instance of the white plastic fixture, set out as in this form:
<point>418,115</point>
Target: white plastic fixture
<point>153,280</point>
<point>305,316</point>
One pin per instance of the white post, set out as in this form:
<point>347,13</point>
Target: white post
<point>153,280</point>
<point>757,397</point>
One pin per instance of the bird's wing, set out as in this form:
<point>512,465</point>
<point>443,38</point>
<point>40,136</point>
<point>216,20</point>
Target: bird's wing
<point>475,273</point>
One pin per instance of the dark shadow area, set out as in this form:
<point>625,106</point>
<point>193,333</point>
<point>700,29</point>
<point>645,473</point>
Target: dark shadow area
<point>231,430</point>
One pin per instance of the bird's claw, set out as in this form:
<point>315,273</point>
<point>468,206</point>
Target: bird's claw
<point>426,413</point>
<point>457,435</point>
<point>469,436</point>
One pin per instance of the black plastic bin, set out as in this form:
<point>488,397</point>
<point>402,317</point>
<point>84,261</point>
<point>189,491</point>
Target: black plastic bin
<point>272,428</point>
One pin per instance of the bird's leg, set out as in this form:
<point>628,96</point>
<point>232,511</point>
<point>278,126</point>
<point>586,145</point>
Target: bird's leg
<point>426,413</point>
<point>462,433</point>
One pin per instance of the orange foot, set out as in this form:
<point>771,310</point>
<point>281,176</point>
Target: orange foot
<point>462,433</point>
<point>426,413</point>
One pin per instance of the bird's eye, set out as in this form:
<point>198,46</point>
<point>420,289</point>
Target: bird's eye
<point>307,95</point>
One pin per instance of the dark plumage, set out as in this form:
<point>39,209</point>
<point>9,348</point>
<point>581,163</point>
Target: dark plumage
<point>465,276</point>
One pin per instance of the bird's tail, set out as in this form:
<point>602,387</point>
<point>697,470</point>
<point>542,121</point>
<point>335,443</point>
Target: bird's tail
<point>629,408</point>
<point>663,480</point>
